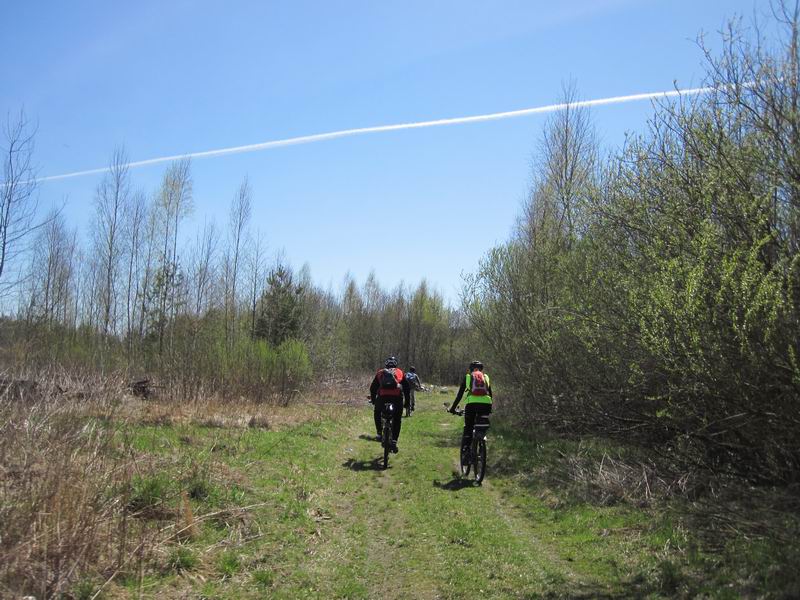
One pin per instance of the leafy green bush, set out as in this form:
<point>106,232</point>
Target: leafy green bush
<point>656,295</point>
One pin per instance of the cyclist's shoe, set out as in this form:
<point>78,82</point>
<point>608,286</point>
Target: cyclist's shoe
<point>394,447</point>
<point>379,438</point>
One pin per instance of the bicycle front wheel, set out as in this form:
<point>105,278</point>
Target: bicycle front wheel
<point>480,461</point>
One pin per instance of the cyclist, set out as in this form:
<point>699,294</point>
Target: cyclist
<point>389,386</point>
<point>478,401</point>
<point>414,384</point>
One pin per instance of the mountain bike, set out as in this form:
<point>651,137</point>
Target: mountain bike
<point>410,407</point>
<point>473,457</point>
<point>387,430</point>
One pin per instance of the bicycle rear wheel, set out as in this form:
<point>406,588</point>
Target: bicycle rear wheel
<point>387,442</point>
<point>480,461</point>
<point>465,461</point>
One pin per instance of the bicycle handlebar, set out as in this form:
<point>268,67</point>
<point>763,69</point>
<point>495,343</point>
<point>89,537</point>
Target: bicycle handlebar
<point>459,412</point>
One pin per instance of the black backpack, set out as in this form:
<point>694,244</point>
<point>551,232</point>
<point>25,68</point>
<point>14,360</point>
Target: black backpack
<point>388,380</point>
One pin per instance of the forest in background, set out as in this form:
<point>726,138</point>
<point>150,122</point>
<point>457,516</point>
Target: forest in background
<point>217,315</point>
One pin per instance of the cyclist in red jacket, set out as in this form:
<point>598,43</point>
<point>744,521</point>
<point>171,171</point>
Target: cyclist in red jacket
<point>389,386</point>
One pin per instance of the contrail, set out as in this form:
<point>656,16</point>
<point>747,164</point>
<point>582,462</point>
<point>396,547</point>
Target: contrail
<point>332,135</point>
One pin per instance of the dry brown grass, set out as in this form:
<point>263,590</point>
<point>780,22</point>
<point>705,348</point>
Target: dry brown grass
<point>70,509</point>
<point>68,475</point>
<point>240,413</point>
<point>614,480</point>
<point>207,409</point>
<point>62,483</point>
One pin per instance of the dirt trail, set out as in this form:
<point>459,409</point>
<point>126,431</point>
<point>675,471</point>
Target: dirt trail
<point>418,530</point>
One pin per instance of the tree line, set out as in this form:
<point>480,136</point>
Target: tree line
<point>654,294</point>
<point>215,315</point>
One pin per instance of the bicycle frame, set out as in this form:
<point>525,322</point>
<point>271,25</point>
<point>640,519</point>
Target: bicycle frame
<point>476,453</point>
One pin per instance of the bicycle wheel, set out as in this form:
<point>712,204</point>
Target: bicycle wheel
<point>465,462</point>
<point>480,461</point>
<point>387,442</point>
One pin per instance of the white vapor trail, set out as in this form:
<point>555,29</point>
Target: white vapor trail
<point>320,137</point>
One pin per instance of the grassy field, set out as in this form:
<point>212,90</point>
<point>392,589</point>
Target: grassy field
<point>303,510</point>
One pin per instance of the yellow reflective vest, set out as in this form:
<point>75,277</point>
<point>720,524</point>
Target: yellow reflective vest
<point>469,398</point>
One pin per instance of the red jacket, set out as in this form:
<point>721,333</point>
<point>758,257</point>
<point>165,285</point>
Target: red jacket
<point>403,387</point>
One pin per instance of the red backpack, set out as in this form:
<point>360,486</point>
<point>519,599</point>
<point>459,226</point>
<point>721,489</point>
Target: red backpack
<point>389,382</point>
<point>479,386</point>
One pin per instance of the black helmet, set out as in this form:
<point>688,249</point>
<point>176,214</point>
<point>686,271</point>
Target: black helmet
<point>476,364</point>
<point>412,369</point>
<point>391,362</point>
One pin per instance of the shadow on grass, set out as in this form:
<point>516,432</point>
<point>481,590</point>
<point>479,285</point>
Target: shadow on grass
<point>376,464</point>
<point>630,589</point>
<point>369,438</point>
<point>455,484</point>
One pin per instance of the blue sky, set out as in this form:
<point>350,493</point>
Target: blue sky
<point>167,78</point>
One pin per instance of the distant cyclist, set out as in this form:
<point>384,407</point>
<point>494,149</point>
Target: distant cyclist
<point>478,400</point>
<point>389,386</point>
<point>414,384</point>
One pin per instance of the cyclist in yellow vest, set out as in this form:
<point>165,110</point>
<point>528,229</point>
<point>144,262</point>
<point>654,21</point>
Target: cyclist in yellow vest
<point>476,389</point>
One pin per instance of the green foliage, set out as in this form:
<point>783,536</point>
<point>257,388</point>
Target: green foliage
<point>659,298</point>
<point>291,365</point>
<point>280,312</point>
<point>84,589</point>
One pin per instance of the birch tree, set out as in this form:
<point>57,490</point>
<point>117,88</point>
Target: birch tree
<point>111,205</point>
<point>17,200</point>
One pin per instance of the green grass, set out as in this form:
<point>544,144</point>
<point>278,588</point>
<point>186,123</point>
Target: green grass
<point>149,492</point>
<point>323,521</point>
<point>228,563</point>
<point>182,559</point>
